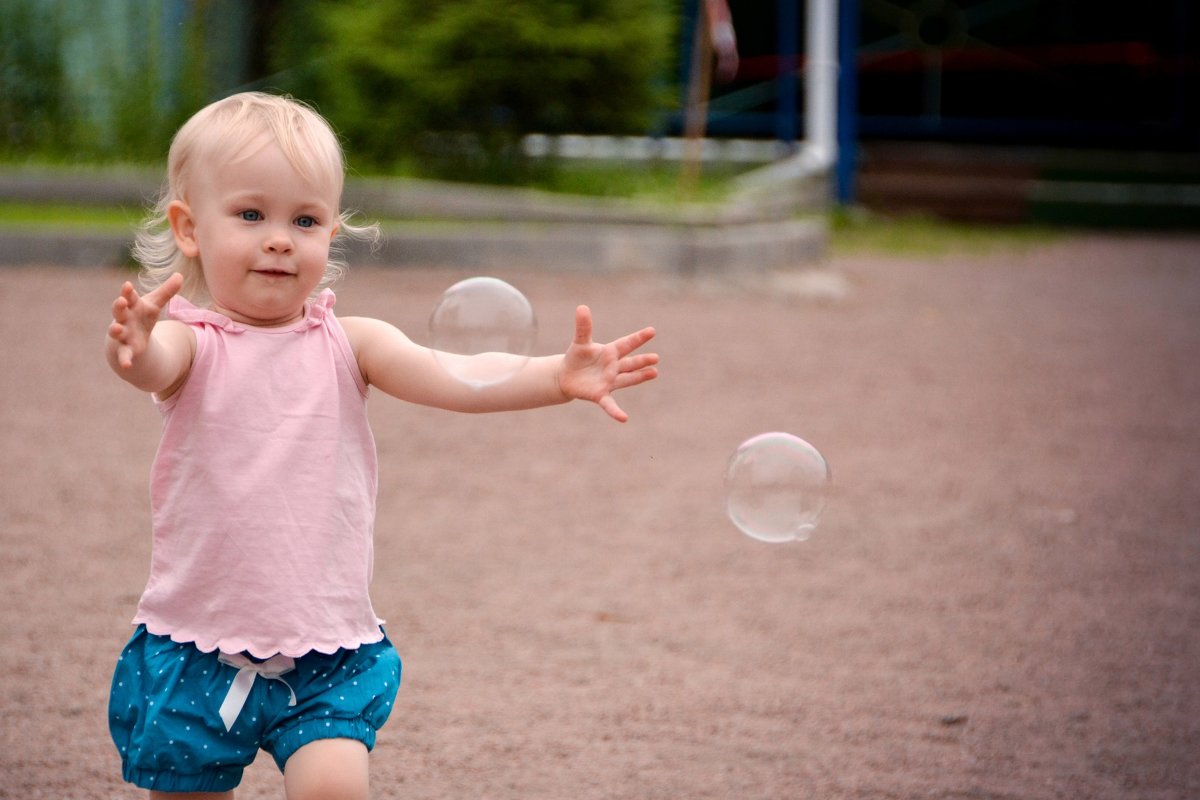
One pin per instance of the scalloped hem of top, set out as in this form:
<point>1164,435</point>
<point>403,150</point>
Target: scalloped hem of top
<point>289,649</point>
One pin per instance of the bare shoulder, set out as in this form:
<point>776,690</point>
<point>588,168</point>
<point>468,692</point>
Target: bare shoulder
<point>359,330</point>
<point>364,331</point>
<point>355,326</point>
<point>386,357</point>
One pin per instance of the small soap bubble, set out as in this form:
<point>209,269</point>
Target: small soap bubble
<point>482,315</point>
<point>776,486</point>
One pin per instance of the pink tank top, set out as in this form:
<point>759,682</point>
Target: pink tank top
<point>263,492</point>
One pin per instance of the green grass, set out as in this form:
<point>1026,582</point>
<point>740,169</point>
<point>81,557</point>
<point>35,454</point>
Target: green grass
<point>656,181</point>
<point>68,215</point>
<point>857,231</point>
<point>652,181</point>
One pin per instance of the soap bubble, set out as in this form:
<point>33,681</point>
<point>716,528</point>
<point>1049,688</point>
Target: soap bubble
<point>482,315</point>
<point>776,486</point>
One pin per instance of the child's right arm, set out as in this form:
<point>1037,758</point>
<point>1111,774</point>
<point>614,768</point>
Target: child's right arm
<point>152,355</point>
<point>586,371</point>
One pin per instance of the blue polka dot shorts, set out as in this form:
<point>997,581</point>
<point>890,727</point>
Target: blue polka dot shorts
<point>188,721</point>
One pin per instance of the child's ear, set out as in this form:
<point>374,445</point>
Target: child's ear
<point>183,225</point>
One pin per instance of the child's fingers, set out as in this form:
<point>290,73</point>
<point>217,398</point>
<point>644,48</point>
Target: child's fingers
<point>161,294</point>
<point>627,344</point>
<point>120,308</point>
<point>634,363</point>
<point>583,325</point>
<point>125,356</point>
<point>612,409</point>
<point>117,331</point>
<point>634,377</point>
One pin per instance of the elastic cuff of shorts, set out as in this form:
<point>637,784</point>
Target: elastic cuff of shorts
<point>286,743</point>
<point>219,779</point>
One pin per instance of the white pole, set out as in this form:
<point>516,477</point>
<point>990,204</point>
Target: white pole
<point>818,151</point>
<point>820,80</point>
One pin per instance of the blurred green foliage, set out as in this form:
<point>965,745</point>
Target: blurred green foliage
<point>440,88</point>
<point>448,88</point>
<point>109,80</point>
<point>33,115</point>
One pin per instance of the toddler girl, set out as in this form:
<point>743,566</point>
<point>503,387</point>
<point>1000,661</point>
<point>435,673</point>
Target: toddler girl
<point>255,629</point>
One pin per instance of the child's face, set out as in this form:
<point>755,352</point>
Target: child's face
<point>262,234</point>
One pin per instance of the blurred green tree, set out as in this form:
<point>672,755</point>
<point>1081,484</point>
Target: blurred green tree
<point>33,114</point>
<point>111,80</point>
<point>431,86</point>
<point>454,85</point>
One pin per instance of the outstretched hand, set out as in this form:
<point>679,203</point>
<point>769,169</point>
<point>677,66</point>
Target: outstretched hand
<point>593,371</point>
<point>134,317</point>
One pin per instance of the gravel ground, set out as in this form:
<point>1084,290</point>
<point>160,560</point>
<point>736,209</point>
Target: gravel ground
<point>1002,600</point>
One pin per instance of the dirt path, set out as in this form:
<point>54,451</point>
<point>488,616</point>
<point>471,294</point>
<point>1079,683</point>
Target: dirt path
<point>1003,600</point>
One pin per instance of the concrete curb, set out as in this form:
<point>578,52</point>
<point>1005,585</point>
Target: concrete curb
<point>473,227</point>
<point>676,249</point>
<point>573,247</point>
<point>63,248</point>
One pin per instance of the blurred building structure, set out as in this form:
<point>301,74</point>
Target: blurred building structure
<point>992,109</point>
<point>1056,110</point>
<point>1024,72</point>
<point>1051,110</point>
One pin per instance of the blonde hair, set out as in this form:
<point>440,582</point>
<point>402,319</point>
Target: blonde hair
<point>222,130</point>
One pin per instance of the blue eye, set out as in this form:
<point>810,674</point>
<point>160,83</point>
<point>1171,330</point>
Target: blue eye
<point>250,215</point>
<point>305,222</point>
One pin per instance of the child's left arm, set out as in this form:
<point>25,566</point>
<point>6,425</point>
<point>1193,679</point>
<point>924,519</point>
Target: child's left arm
<point>588,370</point>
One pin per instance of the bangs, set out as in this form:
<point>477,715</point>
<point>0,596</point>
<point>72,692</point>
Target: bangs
<point>239,126</point>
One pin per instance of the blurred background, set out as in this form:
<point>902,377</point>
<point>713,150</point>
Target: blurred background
<point>1002,601</point>
<point>997,110</point>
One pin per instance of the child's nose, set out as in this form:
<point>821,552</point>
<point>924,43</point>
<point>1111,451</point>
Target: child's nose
<point>277,242</point>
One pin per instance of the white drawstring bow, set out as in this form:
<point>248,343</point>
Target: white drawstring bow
<point>248,670</point>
